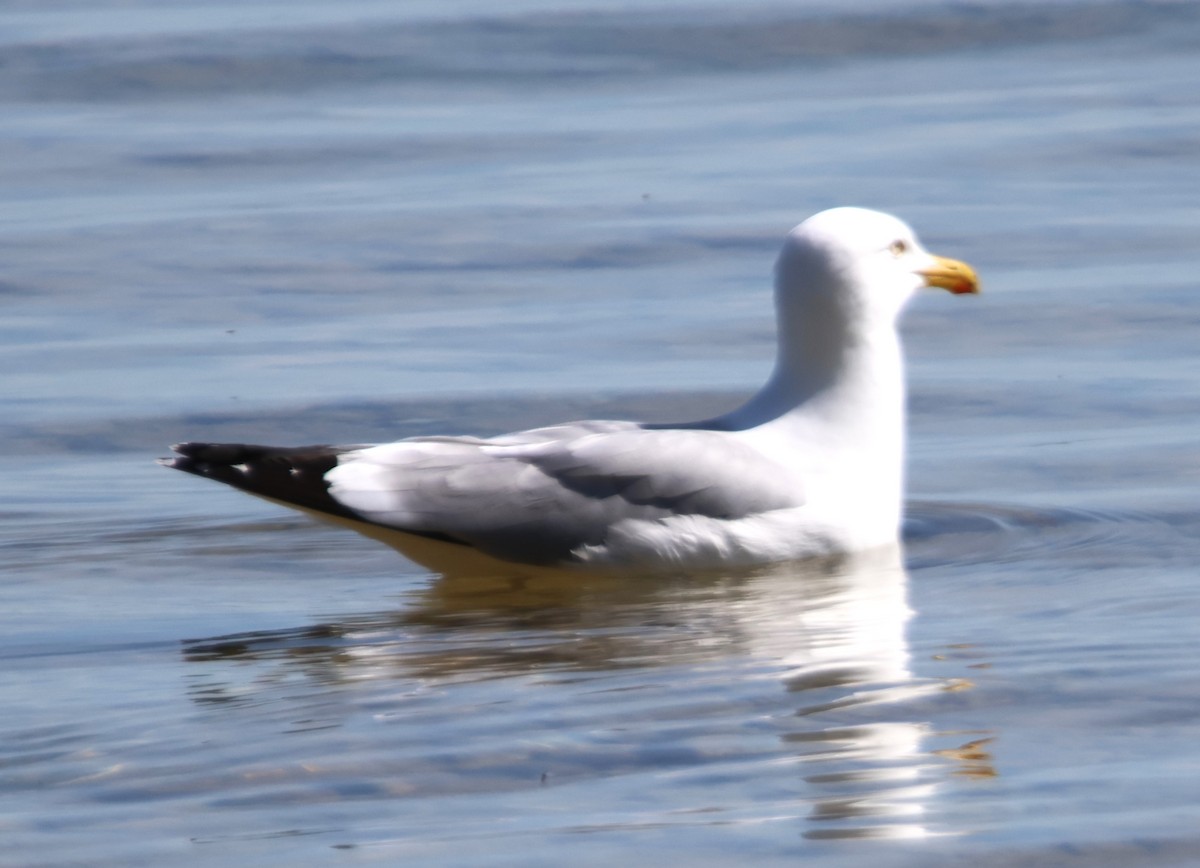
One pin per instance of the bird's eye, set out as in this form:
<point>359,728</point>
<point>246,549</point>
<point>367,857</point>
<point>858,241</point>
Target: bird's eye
<point>898,247</point>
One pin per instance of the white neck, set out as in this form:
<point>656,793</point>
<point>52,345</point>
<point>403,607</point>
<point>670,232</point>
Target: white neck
<point>839,392</point>
<point>855,393</point>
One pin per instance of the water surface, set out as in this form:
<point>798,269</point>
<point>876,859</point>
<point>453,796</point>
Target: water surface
<point>352,222</point>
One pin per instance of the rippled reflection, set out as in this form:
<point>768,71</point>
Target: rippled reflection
<point>818,650</point>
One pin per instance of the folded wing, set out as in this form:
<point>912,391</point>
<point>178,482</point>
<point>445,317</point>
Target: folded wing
<point>539,496</point>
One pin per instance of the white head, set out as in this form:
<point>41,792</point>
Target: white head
<point>841,281</point>
<point>859,267</point>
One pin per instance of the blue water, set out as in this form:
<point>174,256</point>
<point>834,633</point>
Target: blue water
<point>344,222</point>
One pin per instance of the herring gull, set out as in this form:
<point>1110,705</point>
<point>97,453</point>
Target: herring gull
<point>811,465</point>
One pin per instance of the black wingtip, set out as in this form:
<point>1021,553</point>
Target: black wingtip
<point>290,474</point>
<point>238,453</point>
<point>202,458</point>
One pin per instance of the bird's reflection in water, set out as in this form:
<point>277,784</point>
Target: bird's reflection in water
<point>831,634</point>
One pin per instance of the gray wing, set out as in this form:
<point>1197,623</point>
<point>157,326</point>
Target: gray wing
<point>540,495</point>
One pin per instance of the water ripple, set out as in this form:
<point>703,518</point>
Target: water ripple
<point>974,533</point>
